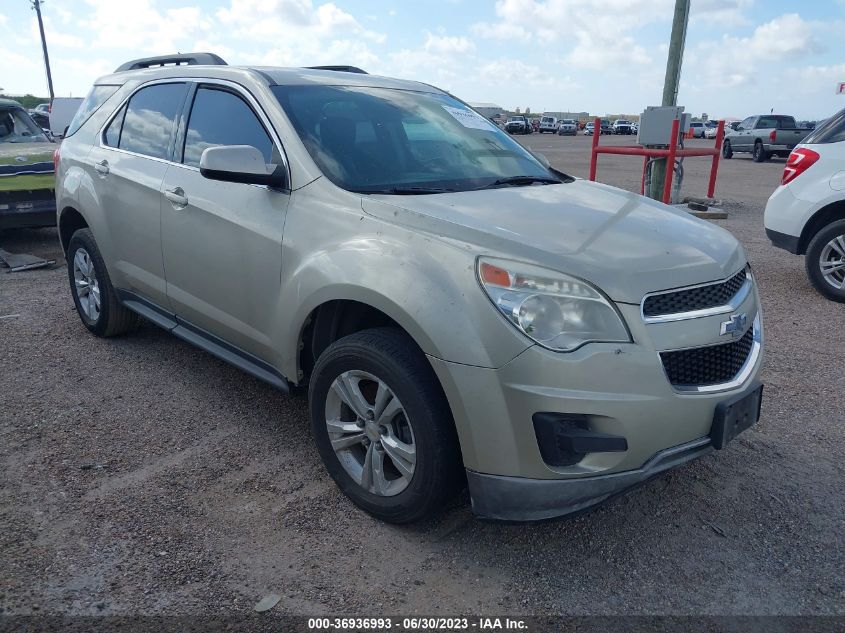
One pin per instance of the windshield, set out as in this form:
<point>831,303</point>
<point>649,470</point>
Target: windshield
<point>16,126</point>
<point>376,140</point>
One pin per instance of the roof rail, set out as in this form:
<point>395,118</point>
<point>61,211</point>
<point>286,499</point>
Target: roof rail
<point>341,69</point>
<point>178,59</point>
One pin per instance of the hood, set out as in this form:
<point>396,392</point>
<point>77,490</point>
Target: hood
<point>26,166</point>
<point>624,243</point>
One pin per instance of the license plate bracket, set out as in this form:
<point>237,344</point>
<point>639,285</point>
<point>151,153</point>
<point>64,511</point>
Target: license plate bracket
<point>734,416</point>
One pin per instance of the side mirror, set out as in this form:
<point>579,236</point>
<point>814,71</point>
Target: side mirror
<point>243,164</point>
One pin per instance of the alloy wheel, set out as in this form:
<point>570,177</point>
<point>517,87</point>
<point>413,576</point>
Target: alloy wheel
<point>370,433</point>
<point>85,284</point>
<point>832,262</point>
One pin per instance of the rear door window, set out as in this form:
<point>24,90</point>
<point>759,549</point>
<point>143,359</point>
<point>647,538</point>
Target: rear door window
<point>219,117</point>
<point>150,119</point>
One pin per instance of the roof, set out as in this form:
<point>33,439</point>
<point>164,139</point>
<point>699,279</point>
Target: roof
<point>271,74</point>
<point>481,104</point>
<point>9,102</point>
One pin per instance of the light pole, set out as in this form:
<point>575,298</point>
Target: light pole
<point>36,4</point>
<point>670,85</point>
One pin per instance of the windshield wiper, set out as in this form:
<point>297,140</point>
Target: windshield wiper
<point>407,191</point>
<point>517,181</point>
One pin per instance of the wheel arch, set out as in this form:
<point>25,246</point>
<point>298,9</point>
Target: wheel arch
<point>831,212</point>
<point>70,221</point>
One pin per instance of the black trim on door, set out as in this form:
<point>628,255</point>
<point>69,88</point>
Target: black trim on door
<point>212,344</point>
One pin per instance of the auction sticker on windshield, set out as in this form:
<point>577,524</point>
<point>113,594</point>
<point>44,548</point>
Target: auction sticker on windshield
<point>468,118</point>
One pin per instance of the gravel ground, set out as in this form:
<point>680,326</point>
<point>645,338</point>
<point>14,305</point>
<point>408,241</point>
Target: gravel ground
<point>141,476</point>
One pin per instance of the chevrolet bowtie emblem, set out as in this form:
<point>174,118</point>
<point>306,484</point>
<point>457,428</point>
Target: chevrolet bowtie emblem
<point>735,326</point>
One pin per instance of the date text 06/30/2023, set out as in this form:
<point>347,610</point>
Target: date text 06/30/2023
<point>417,624</point>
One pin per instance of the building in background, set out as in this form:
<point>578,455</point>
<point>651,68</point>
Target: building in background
<point>489,110</point>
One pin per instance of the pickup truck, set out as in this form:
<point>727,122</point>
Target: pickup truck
<point>763,136</point>
<point>518,125</point>
<point>27,174</point>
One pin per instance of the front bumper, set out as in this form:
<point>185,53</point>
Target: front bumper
<point>618,390</point>
<point>498,498</point>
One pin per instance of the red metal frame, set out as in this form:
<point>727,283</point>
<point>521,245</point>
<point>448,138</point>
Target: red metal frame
<point>670,154</point>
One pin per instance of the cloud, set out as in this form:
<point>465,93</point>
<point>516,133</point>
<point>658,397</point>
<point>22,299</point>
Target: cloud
<point>447,45</point>
<point>598,33</point>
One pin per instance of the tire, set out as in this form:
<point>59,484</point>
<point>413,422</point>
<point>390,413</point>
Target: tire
<point>727,152</point>
<point>86,270</point>
<point>827,245</point>
<point>758,154</point>
<point>362,364</point>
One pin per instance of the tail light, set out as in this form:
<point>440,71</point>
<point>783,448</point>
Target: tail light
<point>773,136</point>
<point>57,154</point>
<point>798,162</point>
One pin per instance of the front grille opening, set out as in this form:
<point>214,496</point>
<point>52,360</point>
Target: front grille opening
<point>710,365</point>
<point>700,298</point>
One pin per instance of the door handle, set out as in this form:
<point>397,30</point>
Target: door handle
<point>102,167</point>
<point>177,197</point>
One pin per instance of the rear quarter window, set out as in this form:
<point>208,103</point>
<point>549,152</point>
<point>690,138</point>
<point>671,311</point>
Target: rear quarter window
<point>96,97</point>
<point>831,131</point>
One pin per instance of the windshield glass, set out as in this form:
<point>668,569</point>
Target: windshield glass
<point>374,140</point>
<point>16,126</point>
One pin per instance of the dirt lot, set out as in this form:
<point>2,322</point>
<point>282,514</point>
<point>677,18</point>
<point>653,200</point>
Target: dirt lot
<point>140,475</point>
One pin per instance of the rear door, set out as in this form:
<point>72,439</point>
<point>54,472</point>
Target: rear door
<point>127,168</point>
<point>222,241</point>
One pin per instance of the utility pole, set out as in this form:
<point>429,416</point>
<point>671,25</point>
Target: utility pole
<point>670,85</point>
<point>36,4</point>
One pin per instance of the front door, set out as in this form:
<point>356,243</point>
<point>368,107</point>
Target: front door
<point>222,241</point>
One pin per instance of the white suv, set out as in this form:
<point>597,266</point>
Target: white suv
<point>806,214</point>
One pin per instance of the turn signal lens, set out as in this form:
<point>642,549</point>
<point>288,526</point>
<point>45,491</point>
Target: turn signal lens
<point>797,163</point>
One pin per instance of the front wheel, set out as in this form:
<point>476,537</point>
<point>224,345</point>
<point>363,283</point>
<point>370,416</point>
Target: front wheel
<point>383,426</point>
<point>727,152</point>
<point>825,261</point>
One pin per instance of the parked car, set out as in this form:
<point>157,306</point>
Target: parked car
<point>548,124</point>
<point>710,130</point>
<point>621,126</point>
<point>635,127</point>
<point>456,314</point>
<point>518,124</point>
<point>606,127</point>
<point>27,180</point>
<point>567,127</point>
<point>696,129</point>
<point>806,214</point>
<point>41,120</point>
<point>535,125</point>
<point>763,136</point>
<point>588,128</point>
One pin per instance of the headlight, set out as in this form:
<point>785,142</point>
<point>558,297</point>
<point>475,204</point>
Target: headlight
<point>555,310</point>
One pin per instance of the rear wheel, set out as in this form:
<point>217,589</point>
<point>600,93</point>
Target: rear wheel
<point>383,426</point>
<point>759,155</point>
<point>94,296</point>
<point>825,261</point>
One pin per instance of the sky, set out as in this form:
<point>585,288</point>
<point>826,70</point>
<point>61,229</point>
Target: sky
<point>742,57</point>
